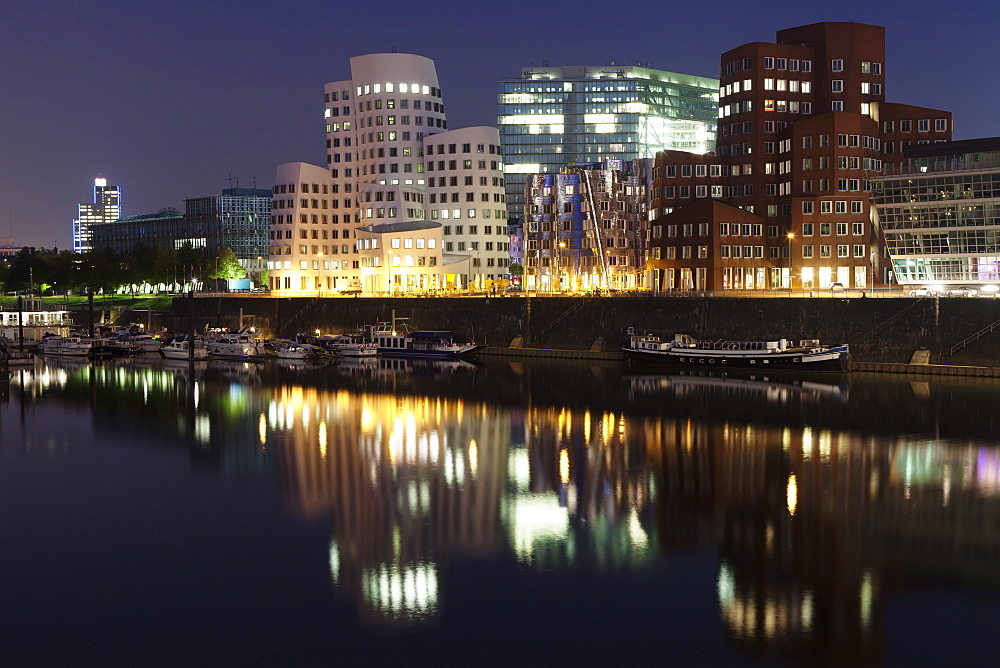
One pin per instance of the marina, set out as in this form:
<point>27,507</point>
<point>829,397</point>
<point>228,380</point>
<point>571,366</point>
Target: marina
<point>633,505</point>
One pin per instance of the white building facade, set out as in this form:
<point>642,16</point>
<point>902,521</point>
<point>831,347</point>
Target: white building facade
<point>378,125</point>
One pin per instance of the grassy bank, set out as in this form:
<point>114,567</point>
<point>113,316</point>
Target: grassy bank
<point>75,302</point>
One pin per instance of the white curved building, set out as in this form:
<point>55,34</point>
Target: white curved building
<point>378,124</point>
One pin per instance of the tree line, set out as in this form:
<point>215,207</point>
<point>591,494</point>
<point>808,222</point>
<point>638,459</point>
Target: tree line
<point>65,272</point>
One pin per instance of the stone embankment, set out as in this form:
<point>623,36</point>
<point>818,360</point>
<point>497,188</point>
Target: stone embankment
<point>880,331</point>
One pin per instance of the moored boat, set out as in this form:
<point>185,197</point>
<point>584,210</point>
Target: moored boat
<point>354,345</point>
<point>293,351</point>
<point>180,348</point>
<point>422,344</point>
<point>780,355</point>
<point>235,345</point>
<point>68,346</point>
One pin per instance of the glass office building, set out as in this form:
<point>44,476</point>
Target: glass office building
<point>106,208</point>
<point>940,214</point>
<point>554,116</point>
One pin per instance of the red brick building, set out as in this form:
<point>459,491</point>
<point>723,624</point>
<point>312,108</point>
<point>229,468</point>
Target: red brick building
<point>802,126</point>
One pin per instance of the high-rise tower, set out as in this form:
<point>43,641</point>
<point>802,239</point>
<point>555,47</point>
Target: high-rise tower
<point>105,208</point>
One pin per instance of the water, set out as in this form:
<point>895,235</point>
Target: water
<point>385,512</point>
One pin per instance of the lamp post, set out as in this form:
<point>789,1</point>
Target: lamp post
<point>790,235</point>
<point>559,265</point>
<point>319,275</point>
<point>388,271</point>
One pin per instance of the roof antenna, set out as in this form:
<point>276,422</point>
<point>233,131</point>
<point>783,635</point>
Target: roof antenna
<point>230,179</point>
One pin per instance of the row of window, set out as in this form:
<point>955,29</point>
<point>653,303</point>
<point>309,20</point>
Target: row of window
<point>923,125</point>
<point>501,230</point>
<point>449,214</point>
<point>843,250</point>
<point>770,63</point>
<point>466,148</point>
<point>443,181</point>
<point>857,229</point>
<point>466,164</point>
<point>833,206</point>
<point>392,87</point>
<point>469,197</point>
<point>781,106</point>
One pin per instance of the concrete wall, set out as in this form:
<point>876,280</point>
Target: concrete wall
<point>883,330</point>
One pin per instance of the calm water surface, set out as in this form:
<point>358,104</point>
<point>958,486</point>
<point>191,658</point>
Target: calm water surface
<point>384,512</point>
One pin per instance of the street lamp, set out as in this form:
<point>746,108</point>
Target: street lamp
<point>559,265</point>
<point>388,271</point>
<point>790,235</point>
<point>319,275</point>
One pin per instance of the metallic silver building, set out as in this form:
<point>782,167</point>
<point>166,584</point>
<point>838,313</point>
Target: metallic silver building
<point>554,116</point>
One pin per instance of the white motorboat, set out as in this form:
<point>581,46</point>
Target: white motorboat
<point>235,345</point>
<point>354,345</point>
<point>69,346</point>
<point>293,351</point>
<point>181,349</point>
<point>145,342</point>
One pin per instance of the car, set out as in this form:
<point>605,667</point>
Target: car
<point>514,288</point>
<point>923,292</point>
<point>962,292</point>
<point>836,287</point>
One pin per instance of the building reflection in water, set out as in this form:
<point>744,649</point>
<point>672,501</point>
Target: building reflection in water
<point>816,525</point>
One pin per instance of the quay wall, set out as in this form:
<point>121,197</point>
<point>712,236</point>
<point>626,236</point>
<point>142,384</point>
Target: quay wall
<point>884,330</point>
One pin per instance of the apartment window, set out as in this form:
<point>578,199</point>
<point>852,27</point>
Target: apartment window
<point>807,208</point>
<point>859,250</point>
<point>824,141</point>
<point>856,206</point>
<point>841,206</point>
<point>877,68</point>
<point>906,126</point>
<point>824,251</point>
<point>842,229</point>
<point>807,229</point>
<point>924,125</point>
<point>837,65</point>
<point>768,63</point>
<point>842,250</point>
<point>807,66</point>
<point>940,124</point>
<point>807,250</point>
<point>837,85</point>
<point>779,63</point>
<point>824,229</point>
<point>837,105</point>
<point>857,229</point>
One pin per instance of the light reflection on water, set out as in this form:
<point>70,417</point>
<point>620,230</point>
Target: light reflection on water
<point>819,506</point>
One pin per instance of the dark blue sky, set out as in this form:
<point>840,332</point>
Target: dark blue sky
<point>167,99</point>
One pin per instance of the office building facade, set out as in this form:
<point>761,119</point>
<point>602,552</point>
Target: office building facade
<point>391,159</point>
<point>803,128</point>
<point>939,211</point>
<point>238,218</point>
<point>585,228</point>
<point>106,208</point>
<point>556,116</point>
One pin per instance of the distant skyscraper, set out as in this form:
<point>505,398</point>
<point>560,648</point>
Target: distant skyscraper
<point>555,116</point>
<point>105,208</point>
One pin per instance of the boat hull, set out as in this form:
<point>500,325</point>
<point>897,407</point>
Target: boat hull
<point>437,354</point>
<point>835,359</point>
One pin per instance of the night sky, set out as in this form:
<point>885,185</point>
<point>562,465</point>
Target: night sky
<point>168,99</point>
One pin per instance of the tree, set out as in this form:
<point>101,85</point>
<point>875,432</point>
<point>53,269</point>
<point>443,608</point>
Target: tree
<point>227,266</point>
<point>515,269</point>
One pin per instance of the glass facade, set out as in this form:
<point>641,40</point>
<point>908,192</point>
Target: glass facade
<point>106,208</point>
<point>941,214</point>
<point>555,116</point>
<point>238,218</point>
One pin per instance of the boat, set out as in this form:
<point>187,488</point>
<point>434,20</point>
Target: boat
<point>13,357</point>
<point>180,348</point>
<point>422,344</point>
<point>292,351</point>
<point>781,355</point>
<point>235,345</point>
<point>68,346</point>
<point>354,345</point>
<point>145,342</point>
